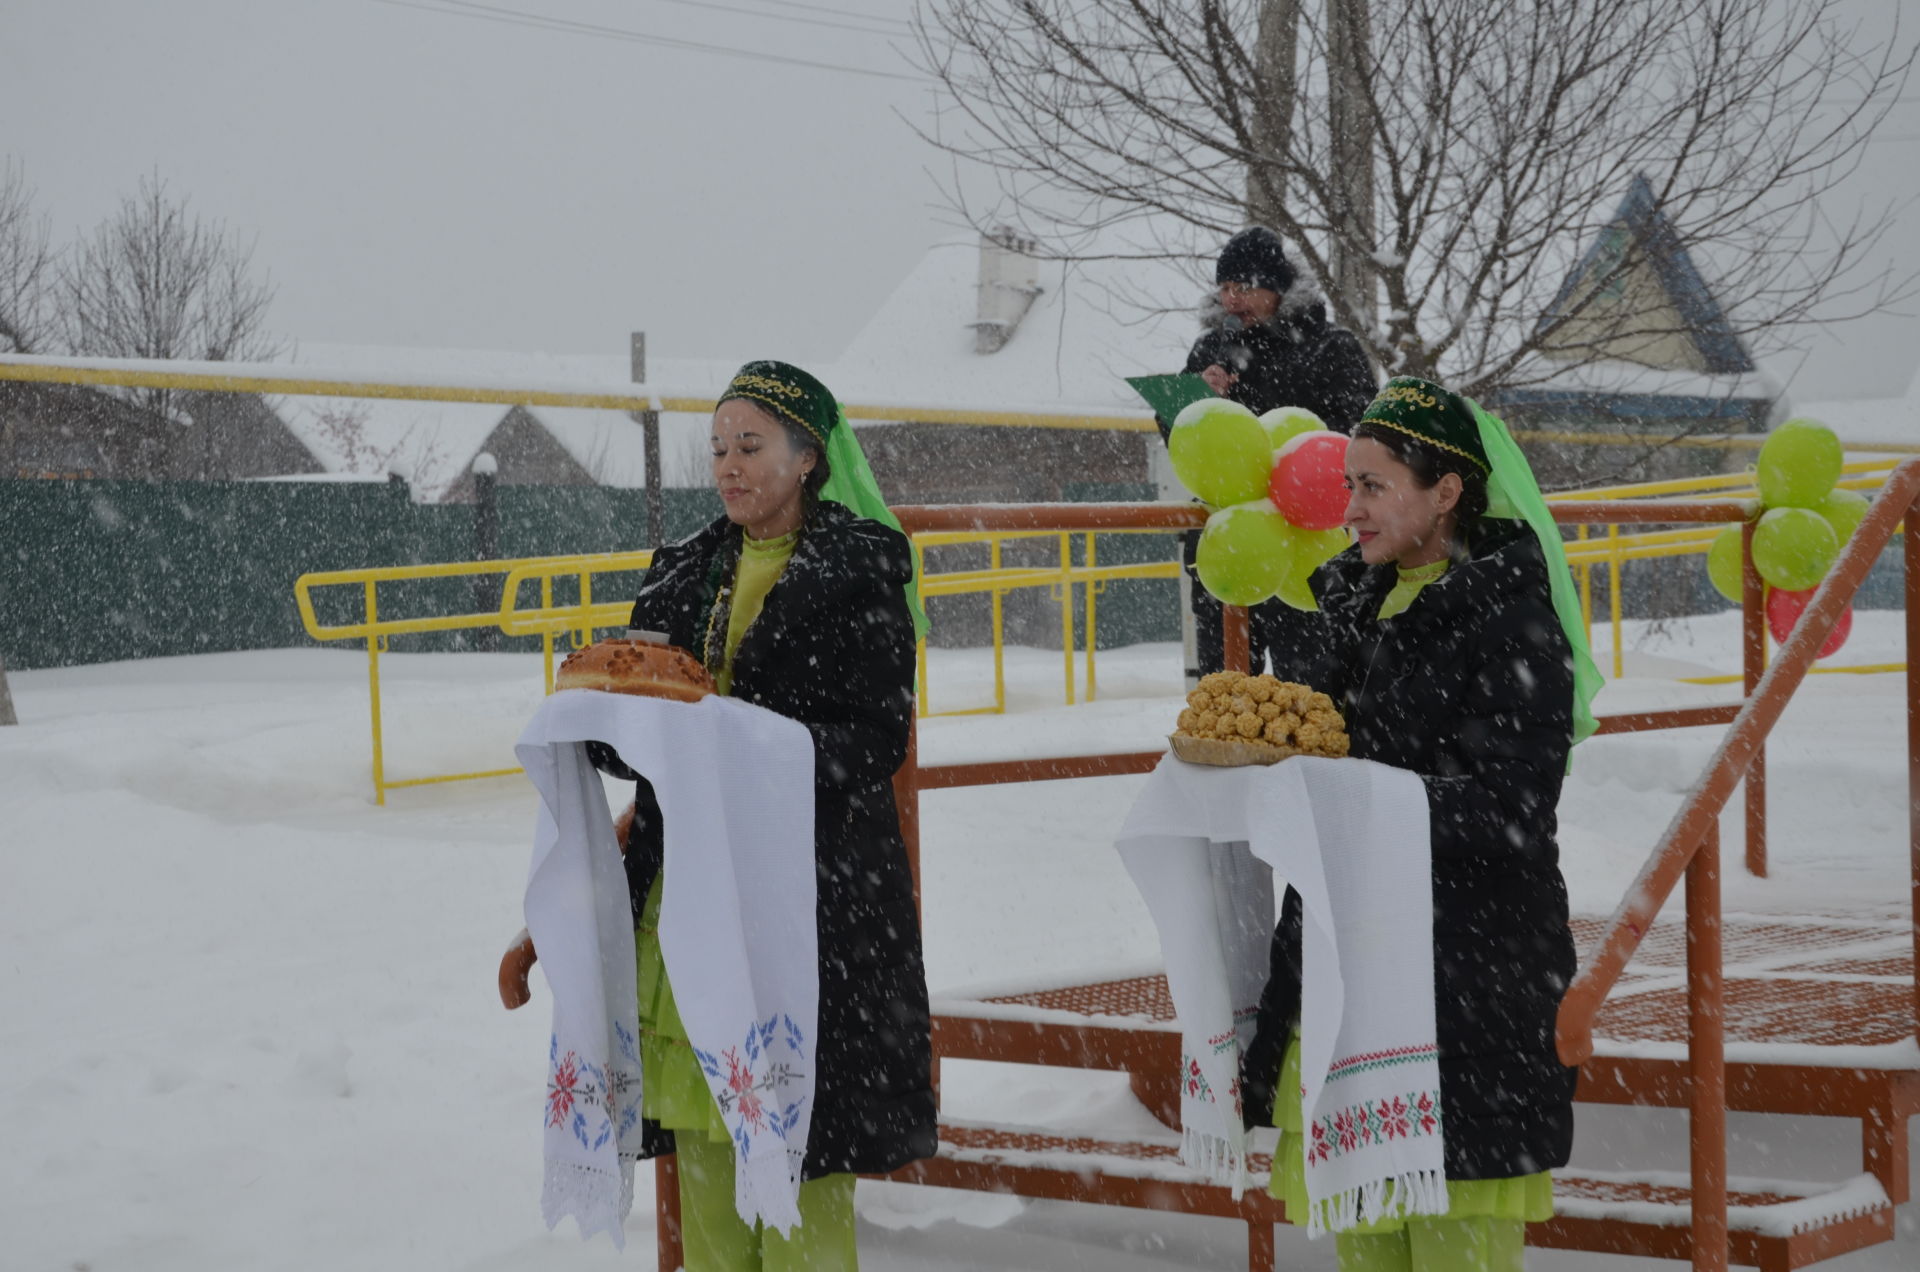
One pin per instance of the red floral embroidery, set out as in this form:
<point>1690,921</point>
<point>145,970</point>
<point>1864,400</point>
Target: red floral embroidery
<point>1393,1118</point>
<point>739,1076</point>
<point>1358,1126</point>
<point>1197,1086</point>
<point>1428,1119</point>
<point>563,1088</point>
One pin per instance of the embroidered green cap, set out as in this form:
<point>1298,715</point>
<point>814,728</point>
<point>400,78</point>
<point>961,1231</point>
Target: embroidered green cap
<point>1422,409</point>
<point>789,393</point>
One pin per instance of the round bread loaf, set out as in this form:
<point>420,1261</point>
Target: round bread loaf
<point>637,667</point>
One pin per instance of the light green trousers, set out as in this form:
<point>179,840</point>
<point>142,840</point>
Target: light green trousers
<point>718,1240</point>
<point>1476,1244</point>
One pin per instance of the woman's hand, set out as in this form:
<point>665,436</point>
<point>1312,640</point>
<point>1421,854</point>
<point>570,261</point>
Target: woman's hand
<point>515,966</point>
<point>1218,378</point>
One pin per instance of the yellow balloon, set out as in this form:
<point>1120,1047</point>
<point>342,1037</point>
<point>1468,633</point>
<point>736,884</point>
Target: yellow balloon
<point>1245,553</point>
<point>1284,423</point>
<point>1793,548</point>
<point>1844,510</point>
<point>1220,452</point>
<point>1312,549</point>
<point>1798,465</point>
<point>1724,566</point>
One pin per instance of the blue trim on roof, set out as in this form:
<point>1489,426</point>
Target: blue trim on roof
<point>1673,268</point>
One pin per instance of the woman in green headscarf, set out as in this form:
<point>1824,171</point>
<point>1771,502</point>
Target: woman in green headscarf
<point>1451,639</point>
<point>801,600</point>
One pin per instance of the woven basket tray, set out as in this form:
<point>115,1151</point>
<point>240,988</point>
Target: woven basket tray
<point>1224,754</point>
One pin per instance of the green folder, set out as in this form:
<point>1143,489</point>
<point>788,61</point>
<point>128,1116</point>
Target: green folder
<point>1169,395</point>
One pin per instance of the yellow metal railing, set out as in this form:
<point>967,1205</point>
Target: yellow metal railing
<point>579,619</point>
<point>998,579</point>
<point>548,622</point>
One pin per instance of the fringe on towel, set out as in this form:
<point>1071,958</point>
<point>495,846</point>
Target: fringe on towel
<point>1219,1159</point>
<point>1398,1197</point>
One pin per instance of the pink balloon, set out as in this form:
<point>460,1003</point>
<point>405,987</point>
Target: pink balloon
<point>1783,613</point>
<point>1309,483</point>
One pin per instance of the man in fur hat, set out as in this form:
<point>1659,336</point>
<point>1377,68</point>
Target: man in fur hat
<point>1267,343</point>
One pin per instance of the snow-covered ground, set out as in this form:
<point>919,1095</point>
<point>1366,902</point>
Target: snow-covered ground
<point>250,1019</point>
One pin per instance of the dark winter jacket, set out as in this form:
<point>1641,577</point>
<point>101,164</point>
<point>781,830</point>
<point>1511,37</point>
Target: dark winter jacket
<point>1295,358</point>
<point>1471,688</point>
<point>833,648</point>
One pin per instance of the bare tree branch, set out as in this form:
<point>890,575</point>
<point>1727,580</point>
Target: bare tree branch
<point>26,267</point>
<point>155,280</point>
<point>1504,134</point>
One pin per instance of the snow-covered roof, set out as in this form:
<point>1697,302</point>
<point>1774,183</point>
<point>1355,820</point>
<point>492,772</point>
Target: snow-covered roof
<point>434,443</point>
<point>1613,377</point>
<point>1892,419</point>
<point>1092,324</point>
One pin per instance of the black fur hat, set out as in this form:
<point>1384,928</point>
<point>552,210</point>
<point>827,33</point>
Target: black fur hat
<point>1255,258</point>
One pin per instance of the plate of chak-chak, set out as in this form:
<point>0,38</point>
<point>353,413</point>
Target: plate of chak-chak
<point>1234,719</point>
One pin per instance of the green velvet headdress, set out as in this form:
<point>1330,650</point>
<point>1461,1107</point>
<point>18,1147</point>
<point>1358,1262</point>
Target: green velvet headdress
<point>788,392</point>
<point>1422,409</point>
<point>796,397</point>
<point>1438,417</point>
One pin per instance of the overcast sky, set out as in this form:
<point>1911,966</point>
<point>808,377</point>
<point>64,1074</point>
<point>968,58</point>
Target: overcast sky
<point>440,173</point>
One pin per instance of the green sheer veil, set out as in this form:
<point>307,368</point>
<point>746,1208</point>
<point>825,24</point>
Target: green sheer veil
<point>1512,493</point>
<point>850,481</point>
<point>797,397</point>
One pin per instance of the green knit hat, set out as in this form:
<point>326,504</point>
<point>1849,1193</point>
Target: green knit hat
<point>1423,410</point>
<point>789,393</point>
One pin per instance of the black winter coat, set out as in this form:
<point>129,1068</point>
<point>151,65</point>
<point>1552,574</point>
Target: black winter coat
<point>1472,688</point>
<point>833,648</point>
<point>1295,358</point>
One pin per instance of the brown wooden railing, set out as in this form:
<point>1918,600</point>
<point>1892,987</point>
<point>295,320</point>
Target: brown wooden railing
<point>1691,847</point>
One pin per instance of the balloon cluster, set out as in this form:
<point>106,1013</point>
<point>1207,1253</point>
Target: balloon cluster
<point>1277,485</point>
<point>1798,536</point>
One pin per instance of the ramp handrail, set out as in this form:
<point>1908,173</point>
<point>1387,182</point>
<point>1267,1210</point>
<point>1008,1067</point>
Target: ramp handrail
<point>1691,848</point>
<point>1699,816</point>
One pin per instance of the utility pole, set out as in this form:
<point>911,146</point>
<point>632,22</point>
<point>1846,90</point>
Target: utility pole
<point>1350,61</point>
<point>649,422</point>
<point>1275,51</point>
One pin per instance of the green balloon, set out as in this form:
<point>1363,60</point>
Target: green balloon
<point>1844,510</point>
<point>1312,549</point>
<point>1220,452</point>
<point>1284,423</point>
<point>1794,548</point>
<point>1799,464</point>
<point>1724,566</point>
<point>1245,553</point>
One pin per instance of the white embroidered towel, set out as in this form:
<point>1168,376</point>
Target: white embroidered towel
<point>1352,838</point>
<point>737,931</point>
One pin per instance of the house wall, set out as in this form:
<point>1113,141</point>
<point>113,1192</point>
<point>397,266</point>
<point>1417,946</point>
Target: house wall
<point>527,455</point>
<point>63,430</point>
